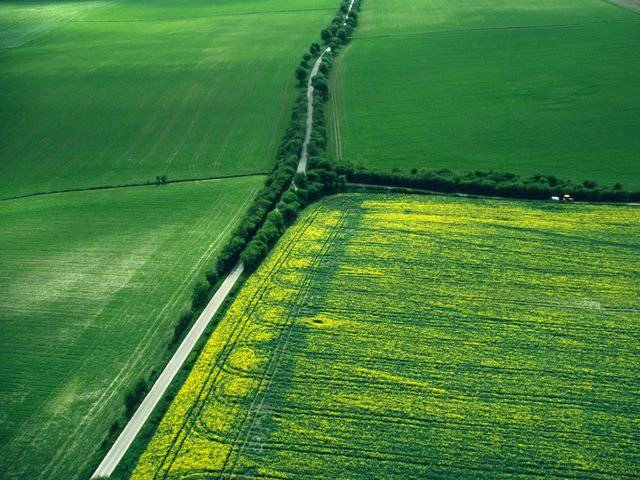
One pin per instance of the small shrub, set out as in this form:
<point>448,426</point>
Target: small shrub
<point>200,296</point>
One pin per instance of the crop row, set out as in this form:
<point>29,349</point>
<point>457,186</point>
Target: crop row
<point>363,348</point>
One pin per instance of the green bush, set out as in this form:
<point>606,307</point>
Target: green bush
<point>200,296</point>
<point>183,323</point>
<point>212,278</point>
<point>135,397</point>
<point>255,252</point>
<point>488,183</point>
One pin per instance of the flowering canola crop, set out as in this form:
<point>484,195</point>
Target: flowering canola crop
<point>422,337</point>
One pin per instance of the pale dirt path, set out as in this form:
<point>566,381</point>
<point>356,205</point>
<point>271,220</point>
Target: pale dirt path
<point>346,17</point>
<point>126,437</point>
<point>137,421</point>
<point>302,163</point>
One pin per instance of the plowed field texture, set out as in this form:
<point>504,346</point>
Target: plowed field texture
<point>422,337</point>
<point>545,86</point>
<point>96,93</point>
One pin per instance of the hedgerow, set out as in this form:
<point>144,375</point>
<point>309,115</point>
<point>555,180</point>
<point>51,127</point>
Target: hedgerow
<point>257,234</point>
<point>489,183</point>
<point>285,193</point>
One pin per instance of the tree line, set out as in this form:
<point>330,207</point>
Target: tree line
<point>489,183</point>
<point>284,194</point>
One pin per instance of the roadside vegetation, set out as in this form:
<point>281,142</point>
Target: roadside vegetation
<point>329,364</point>
<point>78,118</point>
<point>226,419</point>
<point>286,192</point>
<point>502,184</point>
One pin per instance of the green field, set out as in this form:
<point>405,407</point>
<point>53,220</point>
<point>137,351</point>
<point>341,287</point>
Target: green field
<point>97,93</point>
<point>92,284</point>
<point>110,93</point>
<point>551,86</point>
<point>422,337</point>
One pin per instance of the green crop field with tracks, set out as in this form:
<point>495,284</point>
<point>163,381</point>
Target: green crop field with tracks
<point>102,93</point>
<point>110,93</point>
<point>422,337</point>
<point>92,284</point>
<point>550,86</point>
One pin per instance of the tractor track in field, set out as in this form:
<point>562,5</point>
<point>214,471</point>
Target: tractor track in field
<point>335,108</point>
<point>193,413</point>
<point>633,5</point>
<point>276,357</point>
<point>137,354</point>
<point>128,434</point>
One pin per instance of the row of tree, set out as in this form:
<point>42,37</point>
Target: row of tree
<point>286,193</point>
<point>321,178</point>
<point>490,183</point>
<point>283,195</point>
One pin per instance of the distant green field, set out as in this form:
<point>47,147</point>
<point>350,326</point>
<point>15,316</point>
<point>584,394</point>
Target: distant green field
<point>403,337</point>
<point>551,86</point>
<point>91,285</point>
<point>103,93</point>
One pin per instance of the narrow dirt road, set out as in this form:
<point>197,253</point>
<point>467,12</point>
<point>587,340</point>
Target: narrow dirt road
<point>126,437</point>
<point>135,424</point>
<point>346,17</point>
<point>302,163</point>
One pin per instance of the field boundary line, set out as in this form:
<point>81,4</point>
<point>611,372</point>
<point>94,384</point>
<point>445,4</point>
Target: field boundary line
<point>128,434</point>
<point>136,184</point>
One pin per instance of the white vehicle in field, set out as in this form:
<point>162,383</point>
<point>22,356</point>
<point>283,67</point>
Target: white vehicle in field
<point>564,198</point>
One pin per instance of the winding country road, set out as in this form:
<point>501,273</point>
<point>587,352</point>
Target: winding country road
<point>304,154</point>
<point>302,163</point>
<point>137,421</point>
<point>126,437</point>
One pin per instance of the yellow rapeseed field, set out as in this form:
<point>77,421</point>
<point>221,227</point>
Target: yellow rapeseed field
<point>422,337</point>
